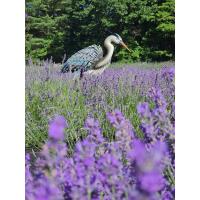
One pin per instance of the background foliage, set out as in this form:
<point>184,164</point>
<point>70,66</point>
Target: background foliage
<point>58,27</point>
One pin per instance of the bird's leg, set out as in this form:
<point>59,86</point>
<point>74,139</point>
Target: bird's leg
<point>81,74</point>
<point>76,75</point>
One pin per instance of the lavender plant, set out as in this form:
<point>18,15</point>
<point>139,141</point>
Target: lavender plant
<point>49,93</point>
<point>99,169</point>
<point>92,150</point>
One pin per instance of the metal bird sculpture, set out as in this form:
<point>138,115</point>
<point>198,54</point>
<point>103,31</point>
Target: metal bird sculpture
<point>90,60</point>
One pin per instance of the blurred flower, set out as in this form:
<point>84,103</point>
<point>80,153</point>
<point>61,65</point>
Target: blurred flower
<point>124,130</point>
<point>149,166</point>
<point>151,182</point>
<point>28,175</point>
<point>93,127</point>
<point>143,109</point>
<point>56,128</point>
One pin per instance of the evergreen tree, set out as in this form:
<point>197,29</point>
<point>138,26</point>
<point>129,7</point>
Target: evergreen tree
<point>56,27</point>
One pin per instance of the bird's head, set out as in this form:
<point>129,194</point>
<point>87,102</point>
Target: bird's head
<point>118,40</point>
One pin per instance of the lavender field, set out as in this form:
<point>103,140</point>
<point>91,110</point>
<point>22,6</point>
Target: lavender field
<point>107,137</point>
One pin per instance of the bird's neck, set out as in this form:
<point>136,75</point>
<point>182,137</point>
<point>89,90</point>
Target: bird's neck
<point>110,49</point>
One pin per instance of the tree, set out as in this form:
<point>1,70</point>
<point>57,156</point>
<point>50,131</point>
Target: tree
<point>56,27</point>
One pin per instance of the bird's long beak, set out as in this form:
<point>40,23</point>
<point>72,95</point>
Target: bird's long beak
<point>125,46</point>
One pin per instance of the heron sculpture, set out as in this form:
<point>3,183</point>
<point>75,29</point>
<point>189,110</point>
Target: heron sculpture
<point>90,60</point>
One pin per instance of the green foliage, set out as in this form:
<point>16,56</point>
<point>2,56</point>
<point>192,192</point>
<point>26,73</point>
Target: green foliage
<point>54,28</point>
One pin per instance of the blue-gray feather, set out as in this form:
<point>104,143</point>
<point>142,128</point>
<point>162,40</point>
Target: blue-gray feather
<point>83,60</point>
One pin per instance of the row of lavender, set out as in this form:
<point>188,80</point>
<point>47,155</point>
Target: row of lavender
<point>125,168</point>
<point>48,92</point>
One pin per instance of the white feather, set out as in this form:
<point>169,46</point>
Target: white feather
<point>97,71</point>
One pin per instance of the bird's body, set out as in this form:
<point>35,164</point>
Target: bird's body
<point>90,60</point>
<point>84,60</point>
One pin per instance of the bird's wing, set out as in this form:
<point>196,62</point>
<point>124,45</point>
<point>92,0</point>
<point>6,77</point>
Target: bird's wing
<point>84,59</point>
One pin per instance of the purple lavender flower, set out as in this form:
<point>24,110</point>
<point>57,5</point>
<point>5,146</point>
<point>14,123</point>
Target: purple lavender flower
<point>156,123</point>
<point>143,109</point>
<point>148,166</point>
<point>28,175</point>
<point>44,189</point>
<point>56,128</point>
<point>115,118</point>
<point>124,130</point>
<point>93,127</point>
<point>151,182</point>
<point>168,73</point>
<point>157,127</point>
